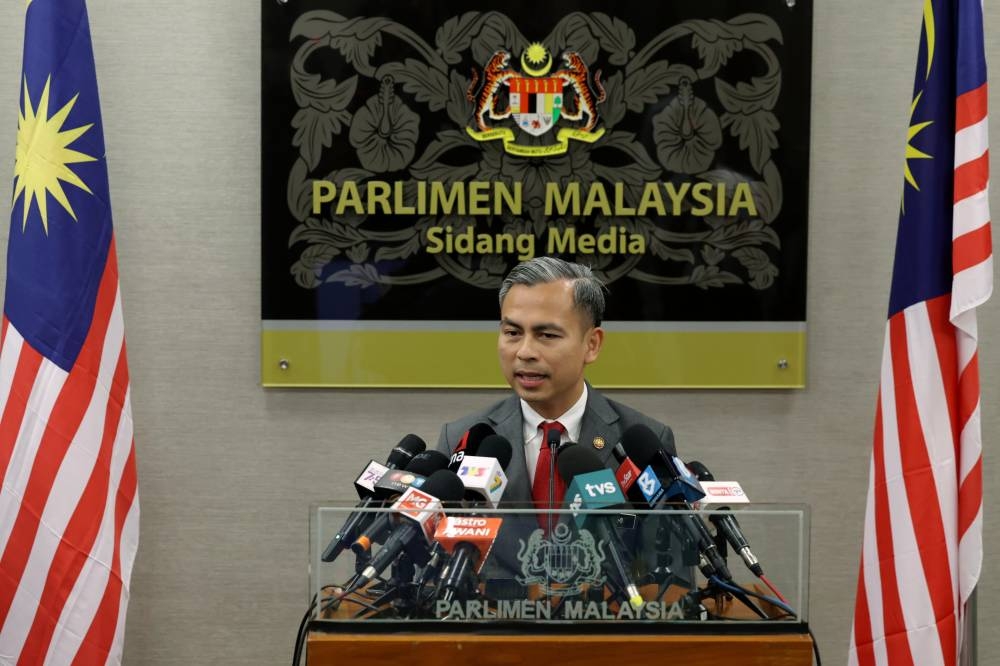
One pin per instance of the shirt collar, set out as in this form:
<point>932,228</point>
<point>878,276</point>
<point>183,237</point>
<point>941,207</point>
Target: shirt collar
<point>572,418</point>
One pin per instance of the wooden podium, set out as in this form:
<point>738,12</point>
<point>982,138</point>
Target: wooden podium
<point>437,649</point>
<point>335,640</point>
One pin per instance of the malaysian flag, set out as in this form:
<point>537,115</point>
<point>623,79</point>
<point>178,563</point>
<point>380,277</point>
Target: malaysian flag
<point>922,547</point>
<point>69,512</point>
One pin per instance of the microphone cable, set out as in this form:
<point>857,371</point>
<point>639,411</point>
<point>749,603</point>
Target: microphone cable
<point>301,633</point>
<point>771,600</point>
<point>741,592</point>
<point>772,587</point>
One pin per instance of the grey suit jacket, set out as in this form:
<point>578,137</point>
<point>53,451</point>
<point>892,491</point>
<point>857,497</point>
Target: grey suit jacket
<point>602,418</point>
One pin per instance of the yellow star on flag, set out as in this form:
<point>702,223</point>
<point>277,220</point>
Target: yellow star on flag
<point>42,159</point>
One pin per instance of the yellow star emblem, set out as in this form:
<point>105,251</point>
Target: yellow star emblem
<point>912,152</point>
<point>42,159</point>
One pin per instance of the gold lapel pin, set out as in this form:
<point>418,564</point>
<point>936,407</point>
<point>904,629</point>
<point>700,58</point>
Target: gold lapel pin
<point>598,443</point>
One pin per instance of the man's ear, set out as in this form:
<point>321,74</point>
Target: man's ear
<point>594,341</point>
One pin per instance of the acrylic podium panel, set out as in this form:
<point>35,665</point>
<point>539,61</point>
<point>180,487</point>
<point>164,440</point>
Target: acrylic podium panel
<point>567,567</point>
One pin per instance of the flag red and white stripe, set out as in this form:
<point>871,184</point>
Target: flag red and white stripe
<point>68,505</point>
<point>922,547</point>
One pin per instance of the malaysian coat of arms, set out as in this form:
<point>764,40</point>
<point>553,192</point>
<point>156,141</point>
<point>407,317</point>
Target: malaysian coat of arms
<point>561,565</point>
<point>536,101</point>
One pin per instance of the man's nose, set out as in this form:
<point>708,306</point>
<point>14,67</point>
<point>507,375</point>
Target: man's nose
<point>526,350</point>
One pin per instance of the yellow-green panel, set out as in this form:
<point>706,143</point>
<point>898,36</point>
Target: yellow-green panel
<point>467,359</point>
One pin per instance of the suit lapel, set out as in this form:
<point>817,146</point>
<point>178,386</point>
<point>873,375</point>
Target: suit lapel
<point>600,420</point>
<point>507,421</point>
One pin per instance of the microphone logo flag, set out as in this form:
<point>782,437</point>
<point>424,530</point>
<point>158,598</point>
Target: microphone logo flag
<point>723,492</point>
<point>423,509</point>
<point>474,529</point>
<point>483,477</point>
<point>650,486</point>
<point>370,476</point>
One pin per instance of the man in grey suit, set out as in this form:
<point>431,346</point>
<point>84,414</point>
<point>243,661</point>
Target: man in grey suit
<point>550,330</point>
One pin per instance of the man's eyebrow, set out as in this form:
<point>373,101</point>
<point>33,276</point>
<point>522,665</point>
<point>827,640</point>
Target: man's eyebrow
<point>538,328</point>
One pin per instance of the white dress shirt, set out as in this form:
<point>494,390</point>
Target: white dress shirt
<point>572,420</point>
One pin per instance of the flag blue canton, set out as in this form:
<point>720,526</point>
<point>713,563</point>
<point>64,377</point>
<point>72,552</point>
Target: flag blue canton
<point>923,267</point>
<point>53,274</point>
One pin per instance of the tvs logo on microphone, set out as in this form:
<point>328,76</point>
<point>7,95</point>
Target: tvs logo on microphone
<point>600,489</point>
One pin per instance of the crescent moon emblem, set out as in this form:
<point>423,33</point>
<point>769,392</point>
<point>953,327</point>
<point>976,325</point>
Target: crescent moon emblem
<point>541,71</point>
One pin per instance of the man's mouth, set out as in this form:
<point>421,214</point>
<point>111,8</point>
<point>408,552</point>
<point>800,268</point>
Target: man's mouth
<point>529,379</point>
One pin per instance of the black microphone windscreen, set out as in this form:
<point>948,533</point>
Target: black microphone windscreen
<point>496,446</point>
<point>445,485</point>
<point>641,444</point>
<point>574,460</point>
<point>427,462</point>
<point>403,452</point>
<point>699,470</point>
<point>475,436</point>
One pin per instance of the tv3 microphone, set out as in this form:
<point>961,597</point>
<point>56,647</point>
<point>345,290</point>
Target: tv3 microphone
<point>418,511</point>
<point>400,456</point>
<point>726,523</point>
<point>469,540</point>
<point>483,475</point>
<point>591,486</point>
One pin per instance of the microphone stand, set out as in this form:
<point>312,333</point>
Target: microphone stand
<point>552,441</point>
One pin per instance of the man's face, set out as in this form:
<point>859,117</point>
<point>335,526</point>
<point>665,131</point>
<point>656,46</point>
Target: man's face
<point>545,343</point>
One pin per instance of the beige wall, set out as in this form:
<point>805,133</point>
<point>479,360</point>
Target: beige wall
<point>227,470</point>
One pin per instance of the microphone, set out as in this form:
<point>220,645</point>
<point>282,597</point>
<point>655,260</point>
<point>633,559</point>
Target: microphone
<point>639,440</point>
<point>483,474</point>
<point>469,540</point>
<point>552,439</point>
<point>645,449</point>
<point>400,456</point>
<point>393,484</point>
<point>627,472</point>
<point>469,444</point>
<point>591,486</point>
<point>419,511</point>
<point>728,526</point>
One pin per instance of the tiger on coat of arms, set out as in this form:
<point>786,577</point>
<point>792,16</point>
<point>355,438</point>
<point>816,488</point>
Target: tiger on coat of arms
<point>495,75</point>
<point>576,75</point>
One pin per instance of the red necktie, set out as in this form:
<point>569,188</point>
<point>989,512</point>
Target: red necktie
<point>540,487</point>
